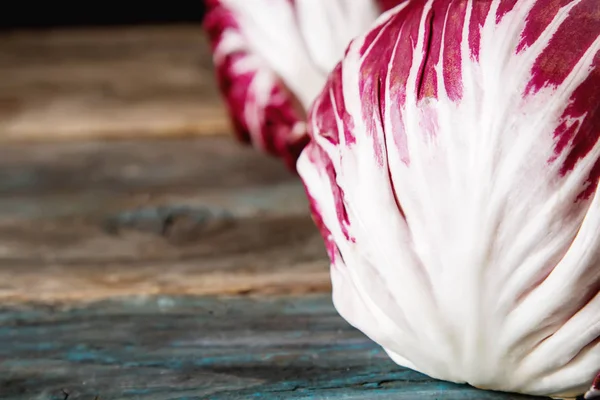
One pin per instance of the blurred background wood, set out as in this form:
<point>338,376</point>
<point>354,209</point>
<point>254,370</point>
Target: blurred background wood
<point>88,220</point>
<point>119,82</point>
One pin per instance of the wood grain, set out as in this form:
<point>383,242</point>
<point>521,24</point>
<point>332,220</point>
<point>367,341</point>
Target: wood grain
<point>89,220</point>
<point>163,348</point>
<point>108,83</point>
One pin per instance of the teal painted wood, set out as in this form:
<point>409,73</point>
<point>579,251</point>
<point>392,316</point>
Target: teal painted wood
<point>203,348</point>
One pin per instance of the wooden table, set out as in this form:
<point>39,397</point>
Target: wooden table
<point>171,263</point>
<point>115,83</point>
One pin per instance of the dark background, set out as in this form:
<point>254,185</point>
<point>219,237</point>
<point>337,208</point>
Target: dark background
<point>57,14</point>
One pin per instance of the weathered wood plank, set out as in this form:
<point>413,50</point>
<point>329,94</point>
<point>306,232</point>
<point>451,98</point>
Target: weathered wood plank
<point>89,220</point>
<point>203,348</point>
<point>162,166</point>
<point>109,83</point>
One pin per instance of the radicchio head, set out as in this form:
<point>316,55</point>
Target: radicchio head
<point>272,58</point>
<point>453,171</point>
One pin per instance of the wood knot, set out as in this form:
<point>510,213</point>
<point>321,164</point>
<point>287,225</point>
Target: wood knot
<point>175,223</point>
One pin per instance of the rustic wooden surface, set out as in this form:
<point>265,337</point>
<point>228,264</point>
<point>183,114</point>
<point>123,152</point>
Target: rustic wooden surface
<point>89,220</point>
<point>200,348</point>
<point>109,83</point>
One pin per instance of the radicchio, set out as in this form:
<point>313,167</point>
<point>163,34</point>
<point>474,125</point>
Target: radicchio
<point>594,392</point>
<point>272,58</point>
<point>453,171</point>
